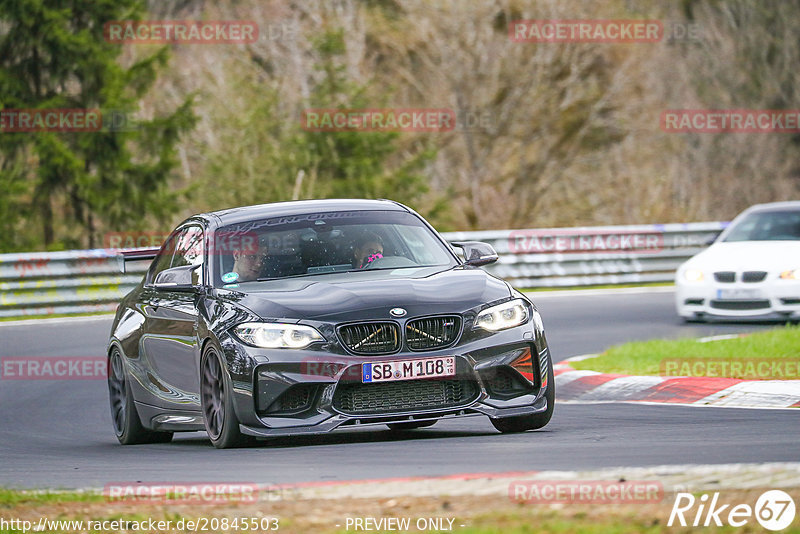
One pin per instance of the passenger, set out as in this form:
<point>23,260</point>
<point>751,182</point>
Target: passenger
<point>368,249</point>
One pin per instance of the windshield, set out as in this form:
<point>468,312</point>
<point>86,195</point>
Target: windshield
<point>767,226</point>
<point>317,244</point>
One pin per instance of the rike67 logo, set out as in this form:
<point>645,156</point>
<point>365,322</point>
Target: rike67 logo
<point>774,510</point>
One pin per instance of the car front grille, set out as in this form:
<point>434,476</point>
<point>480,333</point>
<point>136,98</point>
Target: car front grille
<point>371,338</point>
<point>753,276</point>
<point>432,332</point>
<point>740,304</point>
<point>403,396</point>
<point>726,277</point>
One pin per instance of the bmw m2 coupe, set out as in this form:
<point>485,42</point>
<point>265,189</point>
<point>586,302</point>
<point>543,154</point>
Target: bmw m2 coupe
<point>305,317</point>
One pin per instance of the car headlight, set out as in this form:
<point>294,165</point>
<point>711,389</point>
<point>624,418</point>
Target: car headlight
<point>791,275</point>
<point>693,275</point>
<point>277,335</point>
<point>506,315</point>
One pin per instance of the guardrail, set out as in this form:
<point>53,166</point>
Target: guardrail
<point>81,281</point>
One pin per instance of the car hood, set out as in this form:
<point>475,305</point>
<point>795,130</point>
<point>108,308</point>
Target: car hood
<point>339,297</point>
<point>749,256</point>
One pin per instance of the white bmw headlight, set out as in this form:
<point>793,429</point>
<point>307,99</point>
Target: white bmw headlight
<point>693,275</point>
<point>791,275</point>
<point>277,335</point>
<point>506,315</point>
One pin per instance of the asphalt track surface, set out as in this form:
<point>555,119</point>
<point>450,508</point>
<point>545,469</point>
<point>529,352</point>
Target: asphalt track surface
<point>58,433</point>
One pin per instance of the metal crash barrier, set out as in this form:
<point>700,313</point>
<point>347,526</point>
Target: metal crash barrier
<point>82,281</point>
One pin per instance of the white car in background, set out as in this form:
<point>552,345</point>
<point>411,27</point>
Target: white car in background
<point>752,270</point>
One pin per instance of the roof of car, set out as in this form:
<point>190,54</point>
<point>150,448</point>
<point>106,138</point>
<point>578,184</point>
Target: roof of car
<point>776,206</point>
<point>299,207</point>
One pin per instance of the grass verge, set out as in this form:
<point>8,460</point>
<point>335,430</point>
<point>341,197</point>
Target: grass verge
<point>483,514</point>
<point>655,356</point>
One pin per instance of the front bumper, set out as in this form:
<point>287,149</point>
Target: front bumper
<point>305,392</point>
<point>768,300</point>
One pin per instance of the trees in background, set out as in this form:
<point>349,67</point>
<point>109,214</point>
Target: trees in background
<point>64,188</point>
<point>561,134</point>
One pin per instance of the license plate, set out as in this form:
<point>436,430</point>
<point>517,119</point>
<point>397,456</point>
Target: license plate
<point>739,294</point>
<point>408,369</point>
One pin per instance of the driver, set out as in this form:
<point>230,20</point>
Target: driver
<point>248,261</point>
<point>368,249</point>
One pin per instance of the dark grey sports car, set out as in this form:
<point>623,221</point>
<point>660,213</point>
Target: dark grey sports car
<point>304,317</point>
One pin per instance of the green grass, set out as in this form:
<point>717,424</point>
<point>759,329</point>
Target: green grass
<point>10,497</point>
<point>646,357</point>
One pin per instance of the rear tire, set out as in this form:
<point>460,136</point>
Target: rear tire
<point>411,425</point>
<point>521,423</point>
<point>127,425</point>
<point>216,399</point>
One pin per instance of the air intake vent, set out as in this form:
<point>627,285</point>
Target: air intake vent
<point>740,304</point>
<point>432,332</point>
<point>726,277</point>
<point>753,276</point>
<point>403,396</point>
<point>371,338</point>
<point>297,398</point>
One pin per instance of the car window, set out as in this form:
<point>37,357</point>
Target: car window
<point>767,226</point>
<point>189,251</point>
<point>164,258</point>
<point>313,244</point>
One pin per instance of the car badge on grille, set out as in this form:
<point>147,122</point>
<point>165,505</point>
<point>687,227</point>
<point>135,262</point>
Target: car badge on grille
<point>397,312</point>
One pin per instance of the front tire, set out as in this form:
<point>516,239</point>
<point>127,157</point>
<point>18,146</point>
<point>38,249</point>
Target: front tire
<point>535,421</point>
<point>127,425</point>
<point>216,399</point>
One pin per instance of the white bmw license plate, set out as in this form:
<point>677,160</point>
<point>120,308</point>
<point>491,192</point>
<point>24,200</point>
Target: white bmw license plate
<point>739,294</point>
<point>408,369</point>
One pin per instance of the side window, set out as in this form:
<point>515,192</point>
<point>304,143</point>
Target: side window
<point>189,250</point>
<point>164,258</point>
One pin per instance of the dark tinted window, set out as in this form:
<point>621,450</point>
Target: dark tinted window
<point>313,244</point>
<point>767,226</point>
<point>164,258</point>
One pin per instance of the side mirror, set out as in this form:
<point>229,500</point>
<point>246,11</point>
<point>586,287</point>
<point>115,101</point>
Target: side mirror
<point>477,253</point>
<point>180,278</point>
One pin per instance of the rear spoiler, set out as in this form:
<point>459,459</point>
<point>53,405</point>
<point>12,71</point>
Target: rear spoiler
<point>138,254</point>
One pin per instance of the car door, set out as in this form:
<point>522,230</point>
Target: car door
<point>170,345</point>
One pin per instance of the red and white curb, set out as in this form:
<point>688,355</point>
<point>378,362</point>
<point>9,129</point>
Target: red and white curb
<point>590,386</point>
